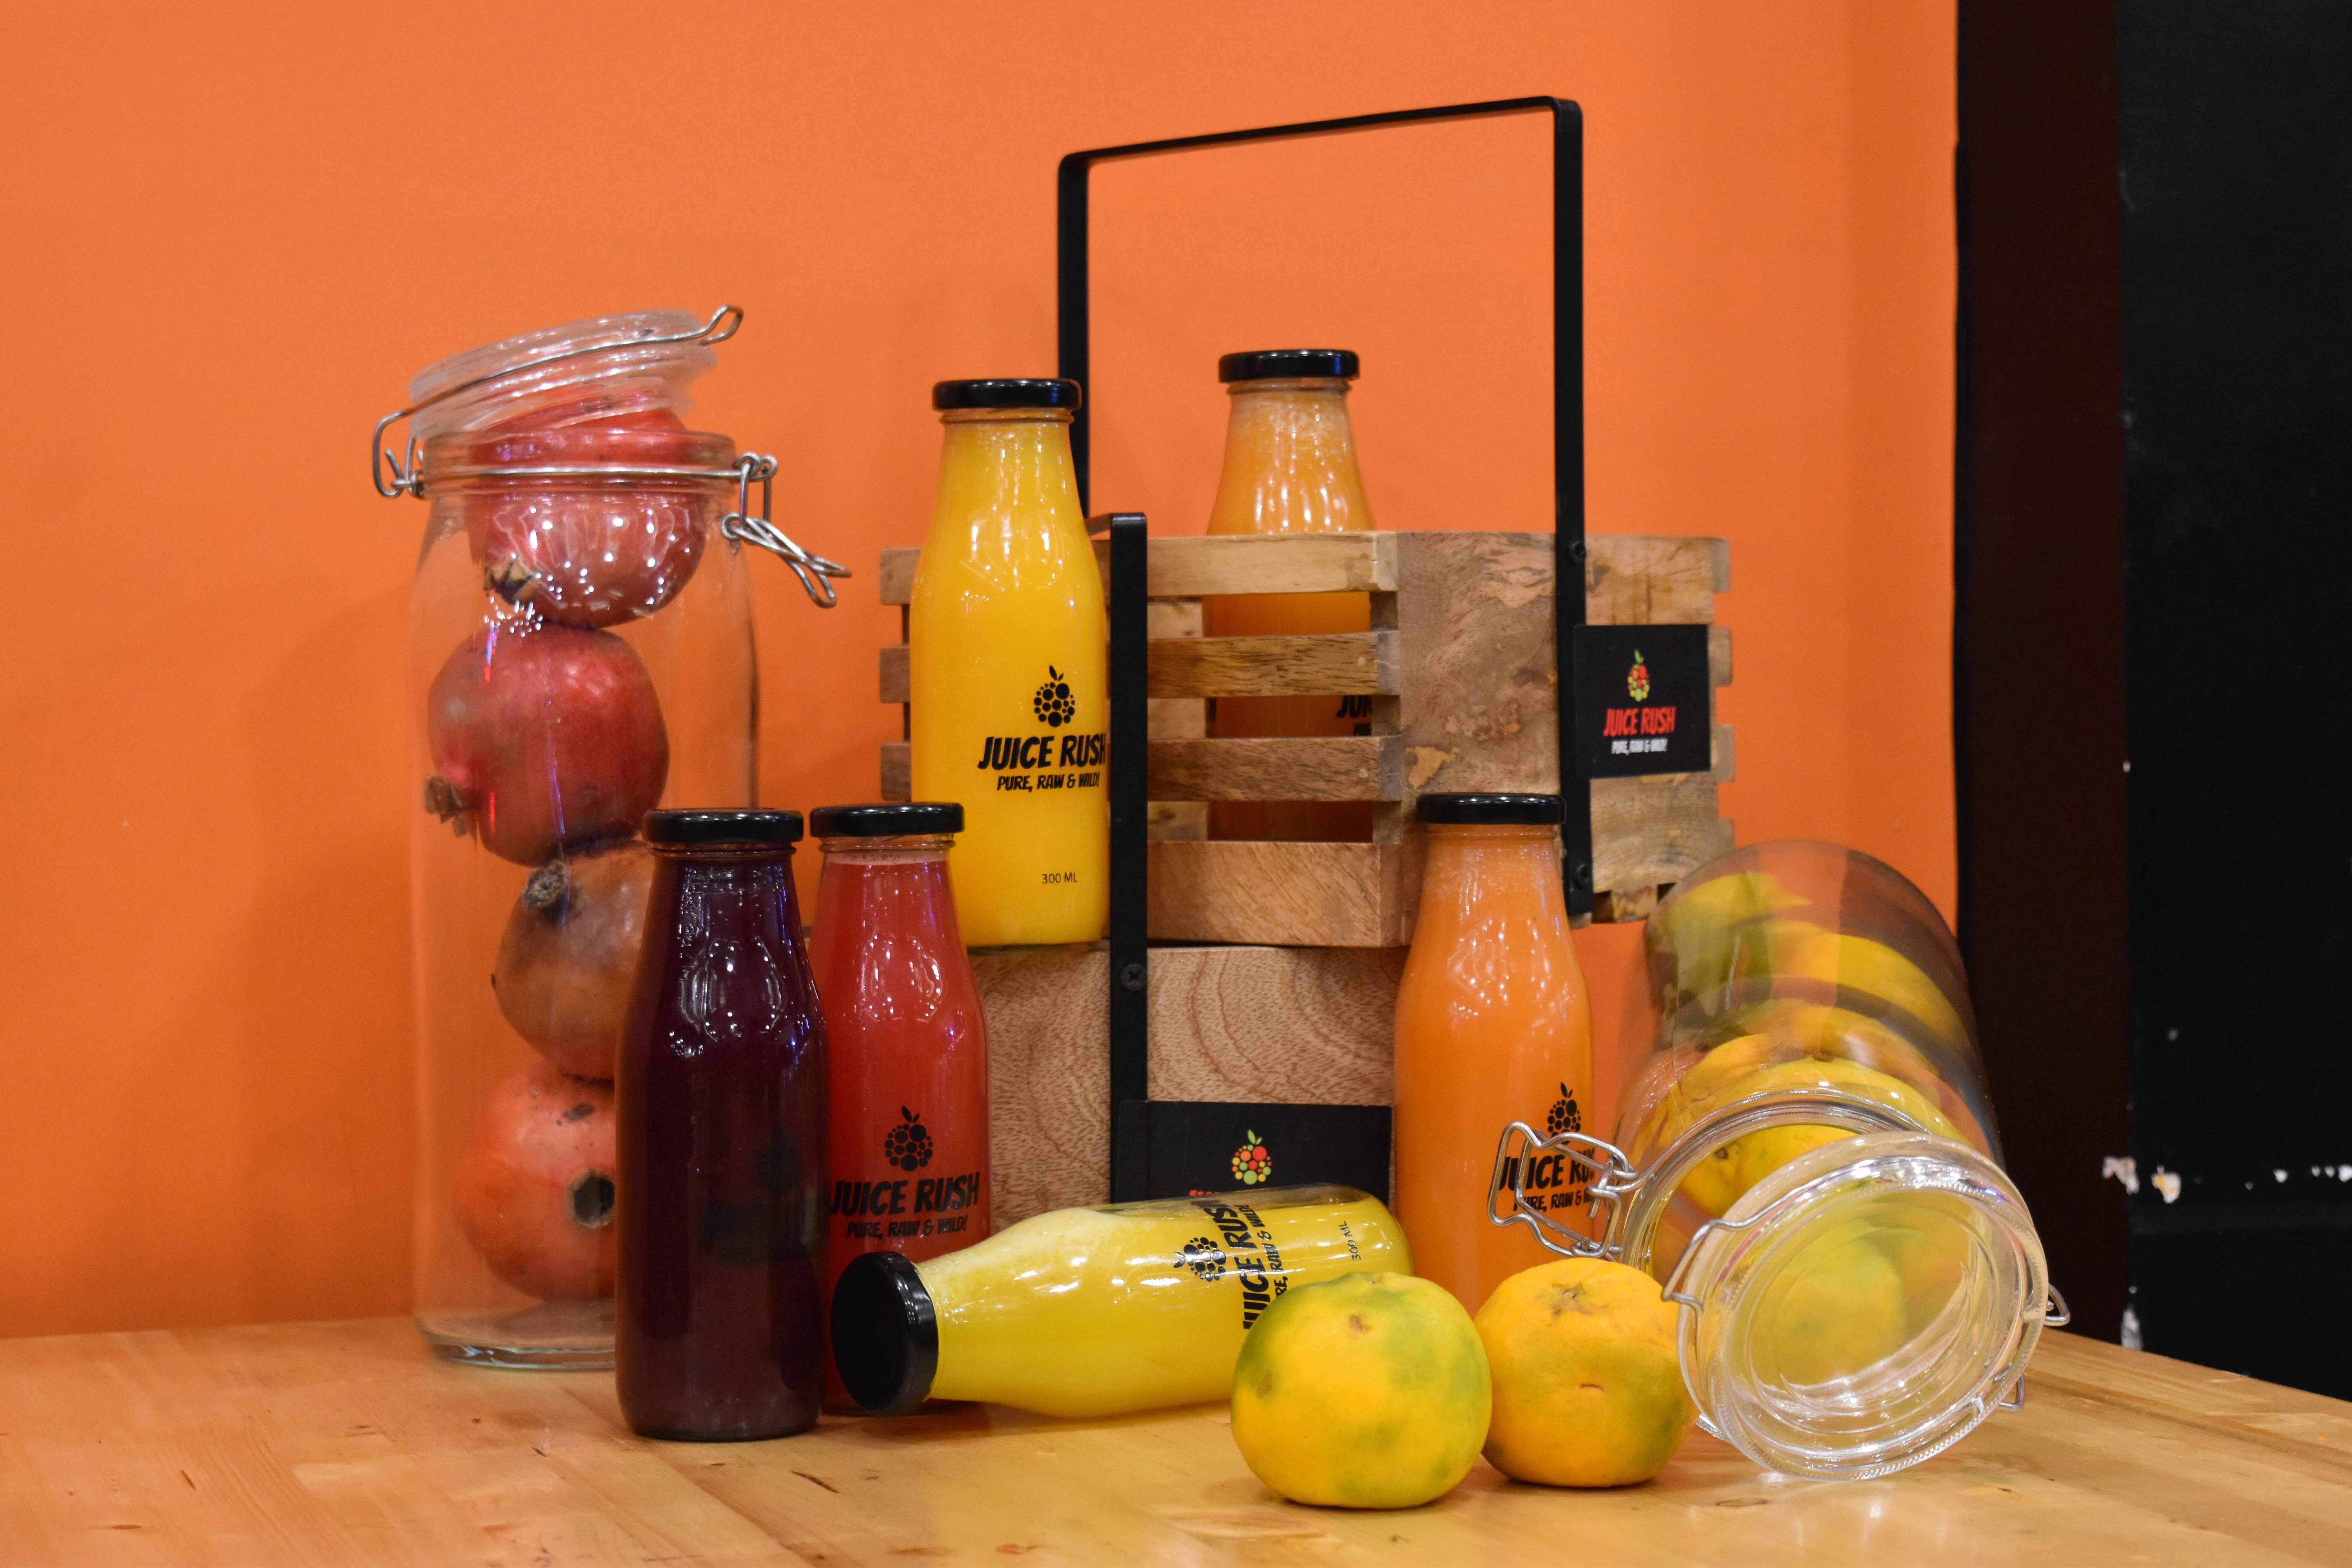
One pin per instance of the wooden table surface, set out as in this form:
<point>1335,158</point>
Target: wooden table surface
<point>347,1443</point>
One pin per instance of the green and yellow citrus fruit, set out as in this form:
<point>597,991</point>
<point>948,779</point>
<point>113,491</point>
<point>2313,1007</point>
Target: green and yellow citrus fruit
<point>1588,1386</point>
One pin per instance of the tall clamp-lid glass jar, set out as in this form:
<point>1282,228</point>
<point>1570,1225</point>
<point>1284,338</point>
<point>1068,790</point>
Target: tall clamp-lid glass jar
<point>1808,1165</point>
<point>579,652</point>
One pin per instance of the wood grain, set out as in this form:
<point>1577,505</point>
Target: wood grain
<point>1190,568</point>
<point>1284,895</point>
<point>1319,664</point>
<point>1249,1024</point>
<point>1319,767</point>
<point>1639,580</point>
<point>1657,830</point>
<point>346,1446</point>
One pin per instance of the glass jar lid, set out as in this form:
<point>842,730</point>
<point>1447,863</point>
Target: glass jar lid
<point>1863,1307</point>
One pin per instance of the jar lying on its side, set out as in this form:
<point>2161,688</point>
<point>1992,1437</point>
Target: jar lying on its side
<point>1809,1164</point>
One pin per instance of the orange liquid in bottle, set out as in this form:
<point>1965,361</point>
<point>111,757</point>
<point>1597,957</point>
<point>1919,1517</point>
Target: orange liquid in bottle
<point>1290,468</point>
<point>1494,1025</point>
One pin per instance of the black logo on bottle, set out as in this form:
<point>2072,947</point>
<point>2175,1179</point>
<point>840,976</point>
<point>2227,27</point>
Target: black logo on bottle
<point>1204,1256</point>
<point>908,1145</point>
<point>1564,1117</point>
<point>1054,705</point>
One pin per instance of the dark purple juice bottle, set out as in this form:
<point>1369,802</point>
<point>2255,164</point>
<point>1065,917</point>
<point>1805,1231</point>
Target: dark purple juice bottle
<point>720,1168</point>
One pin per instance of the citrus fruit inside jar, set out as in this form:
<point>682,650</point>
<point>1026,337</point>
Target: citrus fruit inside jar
<point>579,652</point>
<point>1808,1164</point>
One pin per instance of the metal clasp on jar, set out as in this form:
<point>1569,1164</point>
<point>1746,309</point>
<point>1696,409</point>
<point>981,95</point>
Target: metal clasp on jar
<point>406,475</point>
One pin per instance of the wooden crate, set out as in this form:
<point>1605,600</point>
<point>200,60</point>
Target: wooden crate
<point>1458,668</point>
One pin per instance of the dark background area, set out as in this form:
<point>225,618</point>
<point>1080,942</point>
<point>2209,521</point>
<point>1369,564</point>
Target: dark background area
<point>2155,529</point>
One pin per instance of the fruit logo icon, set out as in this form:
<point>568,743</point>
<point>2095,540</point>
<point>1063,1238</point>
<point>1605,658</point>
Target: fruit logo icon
<point>1564,1117</point>
<point>1637,680</point>
<point>1253,1163</point>
<point>908,1145</point>
<point>1054,705</point>
<point>1204,1256</point>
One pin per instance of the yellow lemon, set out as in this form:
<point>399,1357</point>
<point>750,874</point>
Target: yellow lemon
<point>1833,1311</point>
<point>1588,1386</point>
<point>1873,969</point>
<point>1719,1180</point>
<point>1367,1391</point>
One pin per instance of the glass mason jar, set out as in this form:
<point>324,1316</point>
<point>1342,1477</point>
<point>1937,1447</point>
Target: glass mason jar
<point>579,652</point>
<point>1808,1163</point>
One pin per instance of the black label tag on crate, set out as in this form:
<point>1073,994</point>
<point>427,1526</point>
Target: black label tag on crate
<point>1185,1148</point>
<point>1643,701</point>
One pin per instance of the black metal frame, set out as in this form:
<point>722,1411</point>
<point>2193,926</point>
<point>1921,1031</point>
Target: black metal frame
<point>1129,952</point>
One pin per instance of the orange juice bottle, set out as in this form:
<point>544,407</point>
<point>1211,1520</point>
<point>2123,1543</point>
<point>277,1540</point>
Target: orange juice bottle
<point>1494,1025</point>
<point>1006,676</point>
<point>1290,468</point>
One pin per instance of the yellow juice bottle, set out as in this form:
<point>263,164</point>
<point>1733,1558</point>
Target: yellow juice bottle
<point>1093,1312</point>
<point>1007,680</point>
<point>1290,468</point>
<point>1494,1025</point>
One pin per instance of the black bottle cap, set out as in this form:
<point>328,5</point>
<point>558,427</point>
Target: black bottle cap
<point>1287,365</point>
<point>707,828</point>
<point>1531,810</point>
<point>1004,393</point>
<point>886,1337</point>
<point>893,820</point>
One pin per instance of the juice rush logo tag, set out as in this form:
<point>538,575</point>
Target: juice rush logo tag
<point>1253,1163</point>
<point>1637,730</point>
<point>933,1205</point>
<point>1028,763</point>
<point>1643,701</point>
<point>1242,1247</point>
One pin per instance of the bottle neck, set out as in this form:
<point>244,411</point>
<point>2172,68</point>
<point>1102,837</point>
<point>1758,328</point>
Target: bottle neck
<point>1290,461</point>
<point>1005,467</point>
<point>1483,870</point>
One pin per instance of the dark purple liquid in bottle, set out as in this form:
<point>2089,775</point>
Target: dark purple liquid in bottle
<point>722,1143</point>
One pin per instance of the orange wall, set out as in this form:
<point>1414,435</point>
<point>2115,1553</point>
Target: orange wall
<point>233,231</point>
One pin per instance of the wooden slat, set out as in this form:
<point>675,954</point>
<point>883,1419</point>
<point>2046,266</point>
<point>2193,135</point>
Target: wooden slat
<point>1310,1025</point>
<point>1189,568</point>
<point>1328,767</point>
<point>1649,831</point>
<point>1324,664</point>
<point>1634,580</point>
<point>1284,895</point>
<point>1726,763</point>
<point>898,770</point>
<point>1718,656</point>
<point>1298,563</point>
<point>895,677</point>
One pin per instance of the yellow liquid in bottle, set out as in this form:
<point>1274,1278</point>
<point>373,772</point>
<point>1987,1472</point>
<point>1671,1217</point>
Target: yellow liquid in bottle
<point>1093,1312</point>
<point>1290,468</point>
<point>1494,1025</point>
<point>1008,684</point>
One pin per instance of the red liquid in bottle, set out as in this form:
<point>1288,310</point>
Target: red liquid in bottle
<point>720,1168</point>
<point>908,1051</point>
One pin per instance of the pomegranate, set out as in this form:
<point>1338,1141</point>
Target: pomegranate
<point>592,554</point>
<point>570,951</point>
<point>534,1190</point>
<point>542,736</point>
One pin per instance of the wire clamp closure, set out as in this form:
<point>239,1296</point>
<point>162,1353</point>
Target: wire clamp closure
<point>1520,1151</point>
<point>816,572</point>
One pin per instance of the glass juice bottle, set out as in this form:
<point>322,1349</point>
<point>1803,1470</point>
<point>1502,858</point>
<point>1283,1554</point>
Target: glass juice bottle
<point>1095,1311</point>
<point>1290,468</point>
<point>1494,1025</point>
<point>720,1157</point>
<point>907,1046</point>
<point>1007,674</point>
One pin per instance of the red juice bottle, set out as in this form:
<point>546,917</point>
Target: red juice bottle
<point>719,1174</point>
<point>909,1048</point>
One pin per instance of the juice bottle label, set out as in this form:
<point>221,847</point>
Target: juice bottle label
<point>902,1193</point>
